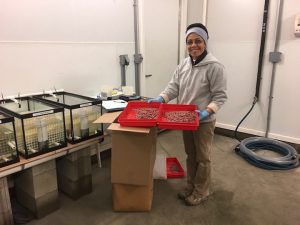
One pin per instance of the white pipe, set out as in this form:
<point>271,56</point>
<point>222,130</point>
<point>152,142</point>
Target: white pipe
<point>276,44</point>
<point>179,31</point>
<point>30,94</point>
<point>137,56</point>
<point>204,12</point>
<point>278,24</point>
<point>183,23</point>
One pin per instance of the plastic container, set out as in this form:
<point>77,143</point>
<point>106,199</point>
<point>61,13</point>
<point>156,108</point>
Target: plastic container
<point>163,123</point>
<point>39,126</point>
<point>80,113</point>
<point>8,147</point>
<point>174,169</point>
<point>129,116</point>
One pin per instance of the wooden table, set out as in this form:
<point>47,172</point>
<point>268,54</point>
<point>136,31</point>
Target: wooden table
<point>5,204</point>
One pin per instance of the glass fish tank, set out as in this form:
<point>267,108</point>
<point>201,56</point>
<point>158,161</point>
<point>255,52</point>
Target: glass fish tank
<point>8,148</point>
<point>80,113</point>
<point>39,126</point>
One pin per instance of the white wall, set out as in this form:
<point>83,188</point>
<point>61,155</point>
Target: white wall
<point>75,45</point>
<point>235,32</point>
<point>194,10</point>
<point>70,44</point>
<point>160,39</point>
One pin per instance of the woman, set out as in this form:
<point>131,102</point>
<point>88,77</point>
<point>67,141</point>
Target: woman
<point>200,80</point>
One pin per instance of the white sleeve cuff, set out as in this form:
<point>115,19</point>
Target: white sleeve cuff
<point>213,106</point>
<point>165,97</point>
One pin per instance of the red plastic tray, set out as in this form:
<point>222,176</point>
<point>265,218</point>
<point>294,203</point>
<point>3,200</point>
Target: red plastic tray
<point>163,123</point>
<point>128,116</point>
<point>174,169</point>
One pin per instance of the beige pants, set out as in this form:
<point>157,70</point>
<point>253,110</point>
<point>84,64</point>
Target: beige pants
<point>198,146</point>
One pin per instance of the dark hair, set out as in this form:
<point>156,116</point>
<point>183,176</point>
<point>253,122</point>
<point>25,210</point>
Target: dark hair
<point>197,25</point>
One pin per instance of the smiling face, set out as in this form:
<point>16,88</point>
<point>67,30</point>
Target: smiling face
<point>195,45</point>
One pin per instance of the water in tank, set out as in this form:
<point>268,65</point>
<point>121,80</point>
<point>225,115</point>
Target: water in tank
<point>80,113</point>
<point>40,126</point>
<point>8,147</point>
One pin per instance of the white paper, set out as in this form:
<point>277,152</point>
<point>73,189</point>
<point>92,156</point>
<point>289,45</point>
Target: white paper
<point>114,104</point>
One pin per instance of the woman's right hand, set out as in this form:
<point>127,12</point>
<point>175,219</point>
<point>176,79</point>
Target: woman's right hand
<point>157,99</point>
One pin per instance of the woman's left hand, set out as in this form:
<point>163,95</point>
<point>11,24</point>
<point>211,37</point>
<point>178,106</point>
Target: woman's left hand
<point>203,114</point>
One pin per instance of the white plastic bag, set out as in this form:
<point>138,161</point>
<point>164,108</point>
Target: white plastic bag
<point>160,167</point>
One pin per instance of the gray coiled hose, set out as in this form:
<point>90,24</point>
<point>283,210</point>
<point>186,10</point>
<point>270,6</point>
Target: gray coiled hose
<point>249,146</point>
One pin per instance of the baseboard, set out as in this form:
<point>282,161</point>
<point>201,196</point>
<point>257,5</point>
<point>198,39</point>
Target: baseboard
<point>228,131</point>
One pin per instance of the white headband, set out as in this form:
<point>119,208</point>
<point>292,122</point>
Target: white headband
<point>201,32</point>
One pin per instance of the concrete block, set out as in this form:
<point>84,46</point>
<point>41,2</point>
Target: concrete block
<point>75,189</point>
<point>75,169</point>
<point>41,206</point>
<point>78,154</point>
<point>45,183</point>
<point>37,185</point>
<point>75,176</point>
<point>37,189</point>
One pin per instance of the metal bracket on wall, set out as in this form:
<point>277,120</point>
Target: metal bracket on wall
<point>138,58</point>
<point>275,57</point>
<point>124,61</point>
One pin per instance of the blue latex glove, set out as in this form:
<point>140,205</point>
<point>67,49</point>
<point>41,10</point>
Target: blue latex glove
<point>203,114</point>
<point>157,99</point>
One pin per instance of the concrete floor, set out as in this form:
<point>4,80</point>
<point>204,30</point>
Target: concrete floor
<point>242,194</point>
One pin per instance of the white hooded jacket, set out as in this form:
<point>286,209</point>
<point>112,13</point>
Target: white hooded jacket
<point>203,84</point>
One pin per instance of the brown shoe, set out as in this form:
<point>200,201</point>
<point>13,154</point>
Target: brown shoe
<point>186,192</point>
<point>195,199</point>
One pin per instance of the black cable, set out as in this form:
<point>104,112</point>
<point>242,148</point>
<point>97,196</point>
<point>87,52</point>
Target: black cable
<point>260,63</point>
<point>237,127</point>
<point>262,47</point>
